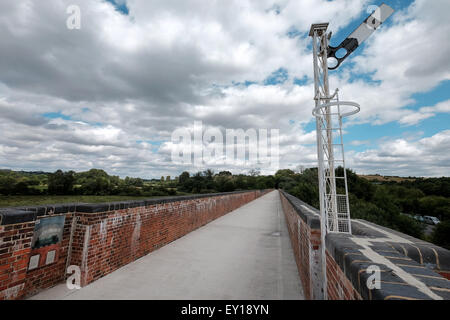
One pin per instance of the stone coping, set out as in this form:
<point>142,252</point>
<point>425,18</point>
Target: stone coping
<point>309,214</point>
<point>423,252</point>
<point>409,266</point>
<point>23,214</point>
<point>404,275</point>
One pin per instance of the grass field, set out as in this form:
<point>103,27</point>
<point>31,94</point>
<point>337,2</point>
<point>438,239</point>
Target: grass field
<point>20,201</point>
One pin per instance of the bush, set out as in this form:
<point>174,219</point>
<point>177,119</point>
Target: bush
<point>441,235</point>
<point>409,226</point>
<point>61,183</point>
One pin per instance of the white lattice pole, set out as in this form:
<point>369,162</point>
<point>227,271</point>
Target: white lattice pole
<point>334,206</point>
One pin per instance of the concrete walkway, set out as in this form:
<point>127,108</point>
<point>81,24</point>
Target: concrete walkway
<point>245,254</point>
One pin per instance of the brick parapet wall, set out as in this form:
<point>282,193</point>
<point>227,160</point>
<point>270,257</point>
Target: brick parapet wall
<point>339,286</point>
<point>15,247</point>
<point>120,237</point>
<point>424,253</point>
<point>409,268</point>
<point>304,230</point>
<point>101,238</point>
<point>47,276</point>
<point>401,278</point>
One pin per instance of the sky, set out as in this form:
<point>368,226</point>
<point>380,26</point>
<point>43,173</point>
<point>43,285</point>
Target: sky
<point>110,94</point>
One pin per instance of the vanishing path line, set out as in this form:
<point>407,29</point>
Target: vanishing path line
<point>245,254</point>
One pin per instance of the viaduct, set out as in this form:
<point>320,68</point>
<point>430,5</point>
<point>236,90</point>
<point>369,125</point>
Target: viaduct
<point>263,244</point>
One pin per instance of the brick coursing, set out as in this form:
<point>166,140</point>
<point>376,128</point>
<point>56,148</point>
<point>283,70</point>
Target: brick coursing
<point>47,276</point>
<point>306,244</point>
<point>15,247</point>
<point>102,242</point>
<point>347,266</point>
<point>305,236</point>
<point>117,238</point>
<point>338,285</point>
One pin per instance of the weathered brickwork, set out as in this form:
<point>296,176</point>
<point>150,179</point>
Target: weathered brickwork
<point>102,238</point>
<point>49,275</point>
<point>409,268</point>
<point>338,285</point>
<point>114,239</point>
<point>305,238</point>
<point>15,247</point>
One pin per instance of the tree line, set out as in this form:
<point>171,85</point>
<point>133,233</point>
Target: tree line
<point>389,204</point>
<point>93,182</point>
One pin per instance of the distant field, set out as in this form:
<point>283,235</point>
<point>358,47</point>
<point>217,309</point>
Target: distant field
<point>19,201</point>
<point>385,178</point>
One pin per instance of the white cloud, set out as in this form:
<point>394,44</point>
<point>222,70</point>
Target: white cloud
<point>442,107</point>
<point>426,156</point>
<point>407,58</point>
<point>414,117</point>
<point>123,79</point>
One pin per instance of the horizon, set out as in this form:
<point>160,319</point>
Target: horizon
<point>111,92</point>
<point>217,172</point>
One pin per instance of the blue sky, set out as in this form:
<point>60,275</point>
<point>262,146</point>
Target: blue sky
<point>427,127</point>
<point>112,93</point>
<point>370,135</point>
<point>120,6</point>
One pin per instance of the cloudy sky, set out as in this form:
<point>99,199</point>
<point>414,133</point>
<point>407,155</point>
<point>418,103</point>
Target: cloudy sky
<point>110,94</point>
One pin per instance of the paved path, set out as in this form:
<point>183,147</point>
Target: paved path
<point>245,254</point>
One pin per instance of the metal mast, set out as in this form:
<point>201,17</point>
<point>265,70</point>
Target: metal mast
<point>334,207</point>
<point>329,112</point>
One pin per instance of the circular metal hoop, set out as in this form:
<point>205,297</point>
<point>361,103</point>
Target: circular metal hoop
<point>338,103</point>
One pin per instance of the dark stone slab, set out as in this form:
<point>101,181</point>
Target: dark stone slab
<point>311,219</point>
<point>121,205</point>
<point>445,294</point>
<point>392,291</point>
<point>418,258</point>
<point>93,208</point>
<point>16,216</point>
<point>10,215</point>
<point>420,251</point>
<point>41,211</point>
<point>354,264</point>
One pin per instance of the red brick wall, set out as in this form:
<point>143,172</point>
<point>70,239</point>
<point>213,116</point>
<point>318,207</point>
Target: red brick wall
<point>48,275</point>
<point>446,275</point>
<point>113,239</point>
<point>338,285</point>
<point>306,245</point>
<point>304,229</point>
<point>15,248</point>
<point>103,242</point>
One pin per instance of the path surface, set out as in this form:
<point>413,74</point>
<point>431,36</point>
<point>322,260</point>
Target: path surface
<point>245,254</point>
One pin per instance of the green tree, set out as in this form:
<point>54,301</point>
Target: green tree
<point>197,182</point>
<point>21,187</point>
<point>61,183</point>
<point>441,235</point>
<point>185,182</point>
<point>241,182</point>
<point>285,173</point>
<point>95,182</point>
<point>184,177</point>
<point>7,184</point>
<point>224,183</point>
